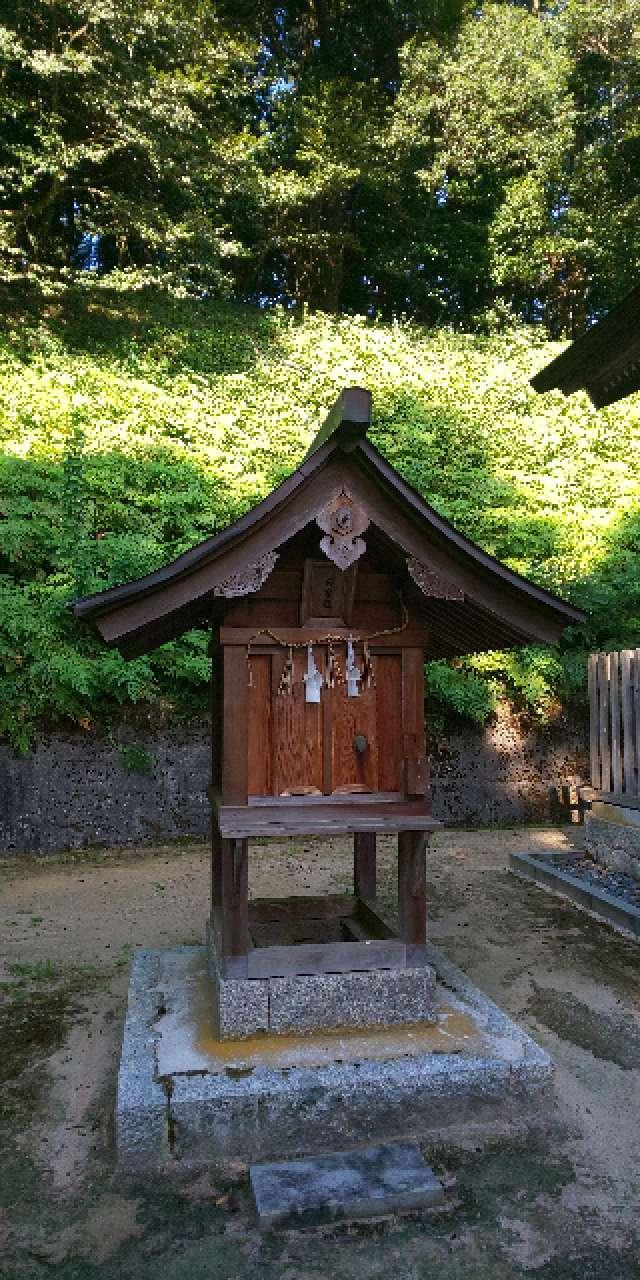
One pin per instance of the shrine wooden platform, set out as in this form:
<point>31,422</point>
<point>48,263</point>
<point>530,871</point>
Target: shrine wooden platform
<point>312,934</point>
<point>322,815</point>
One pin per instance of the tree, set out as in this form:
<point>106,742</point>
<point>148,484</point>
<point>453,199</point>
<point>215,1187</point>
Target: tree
<point>603,41</point>
<point>125,121</point>
<point>433,158</point>
<point>487,128</point>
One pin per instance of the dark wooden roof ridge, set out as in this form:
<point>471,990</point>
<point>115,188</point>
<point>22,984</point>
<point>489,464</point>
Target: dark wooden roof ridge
<point>350,417</point>
<point>601,359</point>
<point>385,477</point>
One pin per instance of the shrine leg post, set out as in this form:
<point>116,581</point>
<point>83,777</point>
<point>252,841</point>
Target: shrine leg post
<point>231,911</point>
<point>364,865</point>
<point>412,887</point>
<point>216,889</point>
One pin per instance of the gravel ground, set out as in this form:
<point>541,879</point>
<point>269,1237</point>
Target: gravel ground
<point>560,1202</point>
<point>617,883</point>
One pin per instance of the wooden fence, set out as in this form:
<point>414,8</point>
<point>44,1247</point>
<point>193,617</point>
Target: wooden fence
<point>614,705</point>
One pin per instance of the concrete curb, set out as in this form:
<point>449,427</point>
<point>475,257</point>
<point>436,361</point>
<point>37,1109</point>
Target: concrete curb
<point>596,902</point>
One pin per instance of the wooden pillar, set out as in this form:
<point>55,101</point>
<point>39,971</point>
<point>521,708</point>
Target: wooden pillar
<point>235,756</point>
<point>217,713</point>
<point>231,905</point>
<point>364,865</point>
<point>412,889</point>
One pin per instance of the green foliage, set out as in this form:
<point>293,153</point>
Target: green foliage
<point>456,688</point>
<point>134,423</point>
<point>135,758</point>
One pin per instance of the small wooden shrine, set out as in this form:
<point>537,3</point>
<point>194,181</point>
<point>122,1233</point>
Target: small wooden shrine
<point>324,602</point>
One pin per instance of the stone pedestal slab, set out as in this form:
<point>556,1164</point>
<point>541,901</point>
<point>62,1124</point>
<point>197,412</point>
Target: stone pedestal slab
<point>301,1003</point>
<point>183,1091</point>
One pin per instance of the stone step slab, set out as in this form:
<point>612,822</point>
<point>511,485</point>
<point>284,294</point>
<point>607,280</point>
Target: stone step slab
<point>391,1178</point>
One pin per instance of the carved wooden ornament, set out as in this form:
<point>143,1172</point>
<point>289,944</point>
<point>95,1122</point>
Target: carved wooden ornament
<point>342,522</point>
<point>249,579</point>
<point>432,583</point>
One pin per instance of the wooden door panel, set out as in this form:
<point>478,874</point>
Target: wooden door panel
<point>297,731</point>
<point>351,717</point>
<point>286,746</point>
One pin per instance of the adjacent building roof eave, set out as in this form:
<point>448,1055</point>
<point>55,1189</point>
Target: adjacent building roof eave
<point>604,361</point>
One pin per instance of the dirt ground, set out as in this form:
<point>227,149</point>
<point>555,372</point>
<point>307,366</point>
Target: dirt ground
<point>559,1202</point>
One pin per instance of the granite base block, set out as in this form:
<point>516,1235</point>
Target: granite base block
<point>142,1107</point>
<point>382,997</point>
<point>240,1006</point>
<point>271,1113</point>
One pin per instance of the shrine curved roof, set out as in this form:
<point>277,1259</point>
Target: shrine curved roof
<point>495,607</point>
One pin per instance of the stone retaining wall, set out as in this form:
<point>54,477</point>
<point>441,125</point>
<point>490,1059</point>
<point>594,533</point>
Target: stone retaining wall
<point>81,790</point>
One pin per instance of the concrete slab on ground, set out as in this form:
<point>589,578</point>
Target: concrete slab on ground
<point>391,1178</point>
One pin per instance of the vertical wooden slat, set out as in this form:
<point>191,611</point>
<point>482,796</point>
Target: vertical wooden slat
<point>217,715</point>
<point>298,751</point>
<point>628,744</point>
<point>327,740</point>
<point>605,750</point>
<point>412,691</point>
<point>364,865</point>
<point>278,661</point>
<point>216,873</point>
<point>594,737</point>
<point>412,886</point>
<point>235,756</point>
<point>388,669</point>
<point>352,717</point>
<point>413,728</point>
<point>635,678</point>
<point>614,707</point>
<point>259,744</point>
